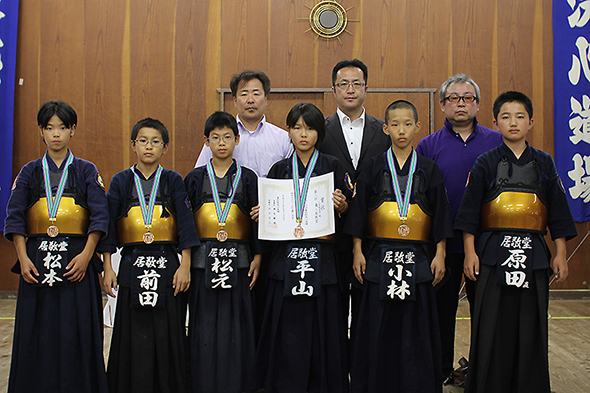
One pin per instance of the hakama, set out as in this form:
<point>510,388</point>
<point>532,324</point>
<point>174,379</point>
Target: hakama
<point>302,346</point>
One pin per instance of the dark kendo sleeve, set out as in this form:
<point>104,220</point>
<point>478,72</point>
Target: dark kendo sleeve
<point>16,208</point>
<point>278,170</point>
<point>95,198</point>
<point>185,227</point>
<point>115,200</point>
<point>251,199</point>
<point>193,183</point>
<point>436,195</point>
<point>560,220</point>
<point>468,216</point>
<point>369,179</point>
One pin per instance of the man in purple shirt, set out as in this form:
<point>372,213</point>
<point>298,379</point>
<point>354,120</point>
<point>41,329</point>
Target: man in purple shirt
<point>455,147</point>
<point>261,143</point>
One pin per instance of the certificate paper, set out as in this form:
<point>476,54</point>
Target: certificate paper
<point>277,220</point>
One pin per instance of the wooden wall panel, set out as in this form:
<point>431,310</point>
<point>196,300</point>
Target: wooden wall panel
<point>195,97</point>
<point>545,104</point>
<point>384,48</point>
<point>152,56</point>
<point>27,141</point>
<point>281,103</point>
<point>245,37</point>
<point>62,54</point>
<point>292,55</point>
<point>104,37</point>
<point>119,61</point>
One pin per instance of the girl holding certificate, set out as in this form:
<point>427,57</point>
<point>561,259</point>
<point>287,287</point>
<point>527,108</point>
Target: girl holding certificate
<point>302,344</point>
<point>151,221</point>
<point>56,214</point>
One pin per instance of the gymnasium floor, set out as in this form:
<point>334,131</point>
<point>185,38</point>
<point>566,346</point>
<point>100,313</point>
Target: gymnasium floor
<point>569,343</point>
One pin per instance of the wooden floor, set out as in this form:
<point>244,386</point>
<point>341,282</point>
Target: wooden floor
<point>569,343</point>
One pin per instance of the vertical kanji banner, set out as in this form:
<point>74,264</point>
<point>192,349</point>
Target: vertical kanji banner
<point>571,85</point>
<point>8,26</point>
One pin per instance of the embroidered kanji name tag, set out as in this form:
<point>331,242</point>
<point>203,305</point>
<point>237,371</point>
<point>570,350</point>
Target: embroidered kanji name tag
<point>221,266</point>
<point>514,262</point>
<point>302,274</point>
<point>148,279</point>
<point>51,261</point>
<point>398,279</point>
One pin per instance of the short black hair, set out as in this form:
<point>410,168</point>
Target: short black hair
<point>62,109</point>
<point>148,122</point>
<point>513,96</point>
<point>311,115</point>
<point>220,120</point>
<point>246,76</point>
<point>350,63</point>
<point>401,104</point>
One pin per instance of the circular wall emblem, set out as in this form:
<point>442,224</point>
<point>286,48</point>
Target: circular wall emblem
<point>328,19</point>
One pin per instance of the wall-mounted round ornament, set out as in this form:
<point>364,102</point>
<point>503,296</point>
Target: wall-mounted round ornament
<point>328,19</point>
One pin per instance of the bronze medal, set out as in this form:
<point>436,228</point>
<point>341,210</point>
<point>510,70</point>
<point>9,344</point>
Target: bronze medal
<point>148,238</point>
<point>52,230</point>
<point>298,231</point>
<point>403,230</point>
<point>222,235</point>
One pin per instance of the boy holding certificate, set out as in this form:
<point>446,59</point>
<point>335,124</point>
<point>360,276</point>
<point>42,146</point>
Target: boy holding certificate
<point>56,214</point>
<point>225,267</point>
<point>399,220</point>
<point>302,346</point>
<point>150,219</point>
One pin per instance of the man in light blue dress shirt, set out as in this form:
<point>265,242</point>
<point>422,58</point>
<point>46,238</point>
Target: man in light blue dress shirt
<point>261,143</point>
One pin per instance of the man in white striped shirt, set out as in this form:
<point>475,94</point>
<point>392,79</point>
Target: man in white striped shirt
<point>261,143</point>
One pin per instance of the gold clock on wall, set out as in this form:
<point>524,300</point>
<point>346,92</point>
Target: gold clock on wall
<point>328,19</point>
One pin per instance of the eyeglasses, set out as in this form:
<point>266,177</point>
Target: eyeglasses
<point>468,98</point>
<point>355,85</point>
<point>154,143</point>
<point>226,139</point>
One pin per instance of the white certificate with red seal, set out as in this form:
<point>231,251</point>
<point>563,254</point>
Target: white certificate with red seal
<point>277,220</point>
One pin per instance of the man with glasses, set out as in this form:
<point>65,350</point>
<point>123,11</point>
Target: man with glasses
<point>455,147</point>
<point>261,143</point>
<point>351,134</point>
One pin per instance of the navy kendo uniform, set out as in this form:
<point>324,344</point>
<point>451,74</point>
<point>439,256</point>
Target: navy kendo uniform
<point>396,347</point>
<point>57,342</point>
<point>508,205</point>
<point>221,305</point>
<point>149,346</point>
<point>302,346</point>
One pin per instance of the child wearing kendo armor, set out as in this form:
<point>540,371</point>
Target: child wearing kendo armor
<point>513,195</point>
<point>151,220</point>
<point>56,214</point>
<point>302,345</point>
<point>225,267</point>
<point>399,220</point>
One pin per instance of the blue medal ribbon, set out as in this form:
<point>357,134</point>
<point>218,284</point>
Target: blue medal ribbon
<point>301,193</point>
<point>402,205</point>
<point>223,213</point>
<point>147,211</point>
<point>53,203</point>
